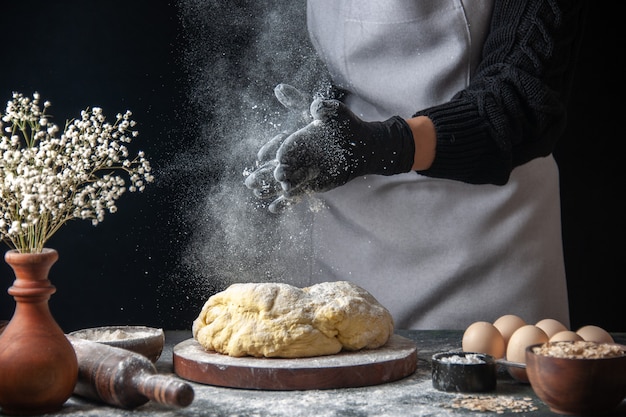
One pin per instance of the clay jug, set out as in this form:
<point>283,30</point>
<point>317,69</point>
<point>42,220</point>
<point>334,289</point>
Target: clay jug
<point>38,366</point>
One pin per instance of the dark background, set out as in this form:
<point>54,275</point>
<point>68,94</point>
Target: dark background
<point>130,55</point>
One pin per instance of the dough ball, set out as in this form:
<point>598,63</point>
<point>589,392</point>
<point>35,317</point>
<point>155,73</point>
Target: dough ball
<point>280,320</point>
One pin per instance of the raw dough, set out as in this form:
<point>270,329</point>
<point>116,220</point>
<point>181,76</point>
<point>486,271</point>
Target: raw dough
<point>280,320</point>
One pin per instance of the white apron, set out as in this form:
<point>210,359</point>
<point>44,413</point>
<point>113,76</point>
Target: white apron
<point>437,253</point>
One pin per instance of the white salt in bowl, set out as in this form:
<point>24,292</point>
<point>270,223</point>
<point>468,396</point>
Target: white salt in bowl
<point>147,341</point>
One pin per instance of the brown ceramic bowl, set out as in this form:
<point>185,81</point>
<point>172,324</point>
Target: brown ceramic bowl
<point>147,341</point>
<point>577,386</point>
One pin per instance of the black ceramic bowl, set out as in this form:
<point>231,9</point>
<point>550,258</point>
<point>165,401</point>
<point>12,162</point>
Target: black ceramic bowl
<point>464,372</point>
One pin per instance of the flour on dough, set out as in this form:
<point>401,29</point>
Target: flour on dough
<point>280,320</point>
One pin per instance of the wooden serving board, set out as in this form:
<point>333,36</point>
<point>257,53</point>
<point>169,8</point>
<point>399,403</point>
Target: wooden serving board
<point>395,360</point>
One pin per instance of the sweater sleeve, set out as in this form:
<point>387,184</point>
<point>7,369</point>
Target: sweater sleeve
<point>514,108</point>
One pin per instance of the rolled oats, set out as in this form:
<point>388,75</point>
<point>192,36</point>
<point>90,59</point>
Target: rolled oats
<point>579,350</point>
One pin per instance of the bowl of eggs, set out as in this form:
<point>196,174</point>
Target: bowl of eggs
<point>578,377</point>
<point>147,341</point>
<point>508,337</point>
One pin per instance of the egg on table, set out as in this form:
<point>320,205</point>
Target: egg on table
<point>516,350</point>
<point>551,326</point>
<point>595,334</point>
<point>483,337</point>
<point>507,324</point>
<point>566,336</point>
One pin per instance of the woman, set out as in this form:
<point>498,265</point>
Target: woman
<point>448,210</point>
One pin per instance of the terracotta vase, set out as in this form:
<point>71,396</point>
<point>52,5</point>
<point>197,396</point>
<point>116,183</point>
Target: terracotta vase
<point>38,366</point>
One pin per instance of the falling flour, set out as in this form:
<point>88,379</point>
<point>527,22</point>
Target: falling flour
<point>235,56</point>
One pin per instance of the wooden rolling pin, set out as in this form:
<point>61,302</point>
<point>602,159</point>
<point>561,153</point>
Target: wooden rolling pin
<point>123,378</point>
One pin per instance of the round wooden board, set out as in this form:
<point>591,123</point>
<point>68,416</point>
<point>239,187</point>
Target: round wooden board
<point>395,360</point>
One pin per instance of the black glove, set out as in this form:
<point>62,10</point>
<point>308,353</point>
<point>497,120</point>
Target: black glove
<point>337,146</point>
<point>261,179</point>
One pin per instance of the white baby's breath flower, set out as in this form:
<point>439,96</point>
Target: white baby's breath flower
<point>47,180</point>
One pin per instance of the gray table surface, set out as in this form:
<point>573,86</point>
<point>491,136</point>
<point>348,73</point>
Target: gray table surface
<point>411,396</point>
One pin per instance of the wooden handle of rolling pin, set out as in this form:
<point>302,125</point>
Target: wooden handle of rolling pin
<point>123,378</point>
<point>165,389</point>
